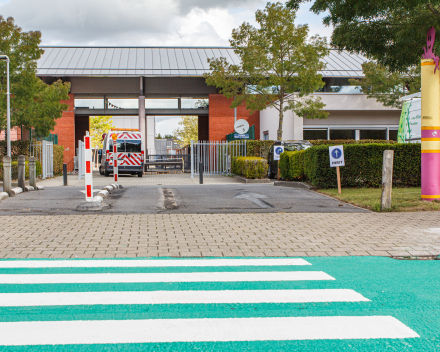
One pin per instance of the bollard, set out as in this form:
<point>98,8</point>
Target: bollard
<point>7,176</point>
<point>21,172</point>
<point>88,166</point>
<point>32,173</point>
<point>115,162</point>
<point>387,179</point>
<point>201,172</point>
<point>64,174</point>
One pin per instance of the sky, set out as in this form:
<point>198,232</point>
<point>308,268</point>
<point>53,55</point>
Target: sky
<point>142,23</point>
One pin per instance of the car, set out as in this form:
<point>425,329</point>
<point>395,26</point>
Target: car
<point>272,164</point>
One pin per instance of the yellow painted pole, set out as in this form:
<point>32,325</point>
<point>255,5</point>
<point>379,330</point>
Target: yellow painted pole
<point>430,131</point>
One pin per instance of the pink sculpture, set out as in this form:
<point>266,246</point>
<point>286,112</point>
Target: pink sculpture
<point>429,50</point>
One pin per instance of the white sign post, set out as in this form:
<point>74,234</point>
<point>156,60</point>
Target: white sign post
<point>336,160</point>
<point>277,150</point>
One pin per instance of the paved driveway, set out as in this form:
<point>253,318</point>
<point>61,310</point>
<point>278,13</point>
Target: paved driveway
<point>195,199</point>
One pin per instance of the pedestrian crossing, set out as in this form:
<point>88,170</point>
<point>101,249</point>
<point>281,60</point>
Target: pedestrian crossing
<point>164,301</point>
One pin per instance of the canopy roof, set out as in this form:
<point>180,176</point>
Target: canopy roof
<point>162,61</point>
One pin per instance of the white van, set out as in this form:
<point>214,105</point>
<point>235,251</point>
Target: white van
<point>129,150</point>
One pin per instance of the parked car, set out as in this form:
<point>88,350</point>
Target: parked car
<point>288,146</point>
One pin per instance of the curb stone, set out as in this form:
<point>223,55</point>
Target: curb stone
<point>3,195</point>
<point>293,184</point>
<point>252,180</point>
<point>96,203</point>
<point>15,191</point>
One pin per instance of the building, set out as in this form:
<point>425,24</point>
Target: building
<point>145,82</point>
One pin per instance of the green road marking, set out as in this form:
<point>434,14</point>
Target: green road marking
<point>405,290</point>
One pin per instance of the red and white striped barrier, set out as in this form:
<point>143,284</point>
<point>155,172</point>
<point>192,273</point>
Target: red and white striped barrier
<point>88,160</point>
<point>115,162</point>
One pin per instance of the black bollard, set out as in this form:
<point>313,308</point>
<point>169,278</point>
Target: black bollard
<point>201,172</point>
<point>65,174</point>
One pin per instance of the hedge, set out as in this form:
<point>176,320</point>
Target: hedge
<point>17,148</point>
<point>258,148</point>
<point>250,167</point>
<point>363,165</point>
<point>349,141</point>
<point>58,159</point>
<point>14,171</point>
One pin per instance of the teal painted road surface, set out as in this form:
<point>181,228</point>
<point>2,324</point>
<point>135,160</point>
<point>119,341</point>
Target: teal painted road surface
<point>220,304</point>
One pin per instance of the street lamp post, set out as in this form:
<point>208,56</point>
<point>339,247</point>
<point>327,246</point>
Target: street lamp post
<point>8,95</point>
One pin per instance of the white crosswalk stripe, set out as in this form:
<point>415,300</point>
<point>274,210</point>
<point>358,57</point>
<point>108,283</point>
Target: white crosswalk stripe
<point>19,275</point>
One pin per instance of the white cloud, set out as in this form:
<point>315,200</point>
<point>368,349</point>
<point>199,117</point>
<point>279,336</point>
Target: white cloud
<point>167,124</point>
<point>140,22</point>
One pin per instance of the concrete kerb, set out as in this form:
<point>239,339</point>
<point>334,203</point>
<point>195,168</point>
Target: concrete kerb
<point>294,184</point>
<point>96,203</point>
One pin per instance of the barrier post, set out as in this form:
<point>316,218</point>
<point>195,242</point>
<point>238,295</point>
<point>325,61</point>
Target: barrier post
<point>21,172</point>
<point>32,172</point>
<point>88,165</point>
<point>115,157</point>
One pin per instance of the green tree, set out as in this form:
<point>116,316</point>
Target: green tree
<point>390,32</point>
<point>98,125</point>
<point>386,86</point>
<point>278,68</point>
<point>189,130</point>
<point>34,104</point>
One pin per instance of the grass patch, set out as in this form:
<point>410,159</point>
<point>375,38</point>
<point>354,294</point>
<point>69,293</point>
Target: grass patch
<point>402,199</point>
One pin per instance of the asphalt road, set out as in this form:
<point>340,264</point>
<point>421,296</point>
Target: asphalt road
<point>228,304</point>
<point>199,199</point>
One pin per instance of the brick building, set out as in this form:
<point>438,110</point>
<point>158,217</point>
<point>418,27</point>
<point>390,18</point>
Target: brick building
<point>157,81</point>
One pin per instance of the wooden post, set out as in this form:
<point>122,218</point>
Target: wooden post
<point>387,179</point>
<point>339,179</point>
<point>278,170</point>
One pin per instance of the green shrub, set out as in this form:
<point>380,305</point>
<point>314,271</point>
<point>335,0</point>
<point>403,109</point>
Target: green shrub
<point>250,167</point>
<point>349,141</point>
<point>292,165</point>
<point>284,165</point>
<point>17,148</point>
<point>14,171</point>
<point>363,165</point>
<point>258,148</point>
<point>58,159</point>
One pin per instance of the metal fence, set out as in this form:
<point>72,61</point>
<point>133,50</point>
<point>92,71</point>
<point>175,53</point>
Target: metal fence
<point>43,152</point>
<point>158,158</point>
<point>215,156</point>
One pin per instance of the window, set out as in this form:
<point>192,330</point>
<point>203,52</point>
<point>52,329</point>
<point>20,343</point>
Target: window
<point>342,134</point>
<point>373,134</point>
<point>265,135</point>
<point>120,146</point>
<point>310,135</point>
<point>133,146</point>
<point>393,135</point>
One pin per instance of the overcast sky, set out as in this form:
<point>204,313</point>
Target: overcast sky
<point>142,23</point>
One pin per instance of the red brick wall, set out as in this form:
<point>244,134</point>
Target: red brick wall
<point>221,118</point>
<point>65,129</point>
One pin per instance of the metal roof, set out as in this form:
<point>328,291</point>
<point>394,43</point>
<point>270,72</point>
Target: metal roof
<point>162,61</point>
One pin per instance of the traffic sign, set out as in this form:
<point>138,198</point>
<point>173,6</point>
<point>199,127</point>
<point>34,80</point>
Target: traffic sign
<point>337,156</point>
<point>277,152</point>
<point>241,126</point>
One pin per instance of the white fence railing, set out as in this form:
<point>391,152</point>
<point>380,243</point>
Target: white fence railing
<point>43,152</point>
<point>215,156</point>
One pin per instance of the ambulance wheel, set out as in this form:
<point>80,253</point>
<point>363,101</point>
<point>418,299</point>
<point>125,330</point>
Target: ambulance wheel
<point>140,174</point>
<point>106,174</point>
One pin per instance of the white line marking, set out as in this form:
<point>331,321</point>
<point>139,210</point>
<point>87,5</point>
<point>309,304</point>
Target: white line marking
<point>163,277</point>
<point>197,330</point>
<point>117,263</point>
<point>178,297</point>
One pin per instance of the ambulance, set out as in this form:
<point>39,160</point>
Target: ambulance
<point>129,153</point>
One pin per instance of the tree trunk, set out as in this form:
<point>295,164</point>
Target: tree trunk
<point>280,125</point>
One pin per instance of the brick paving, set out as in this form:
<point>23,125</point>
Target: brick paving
<point>185,235</point>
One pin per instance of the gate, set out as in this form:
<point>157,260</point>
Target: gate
<point>215,156</point>
<point>81,160</point>
<point>43,152</point>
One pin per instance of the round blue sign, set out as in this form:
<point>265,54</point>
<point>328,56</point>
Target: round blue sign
<point>336,153</point>
<point>279,150</point>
